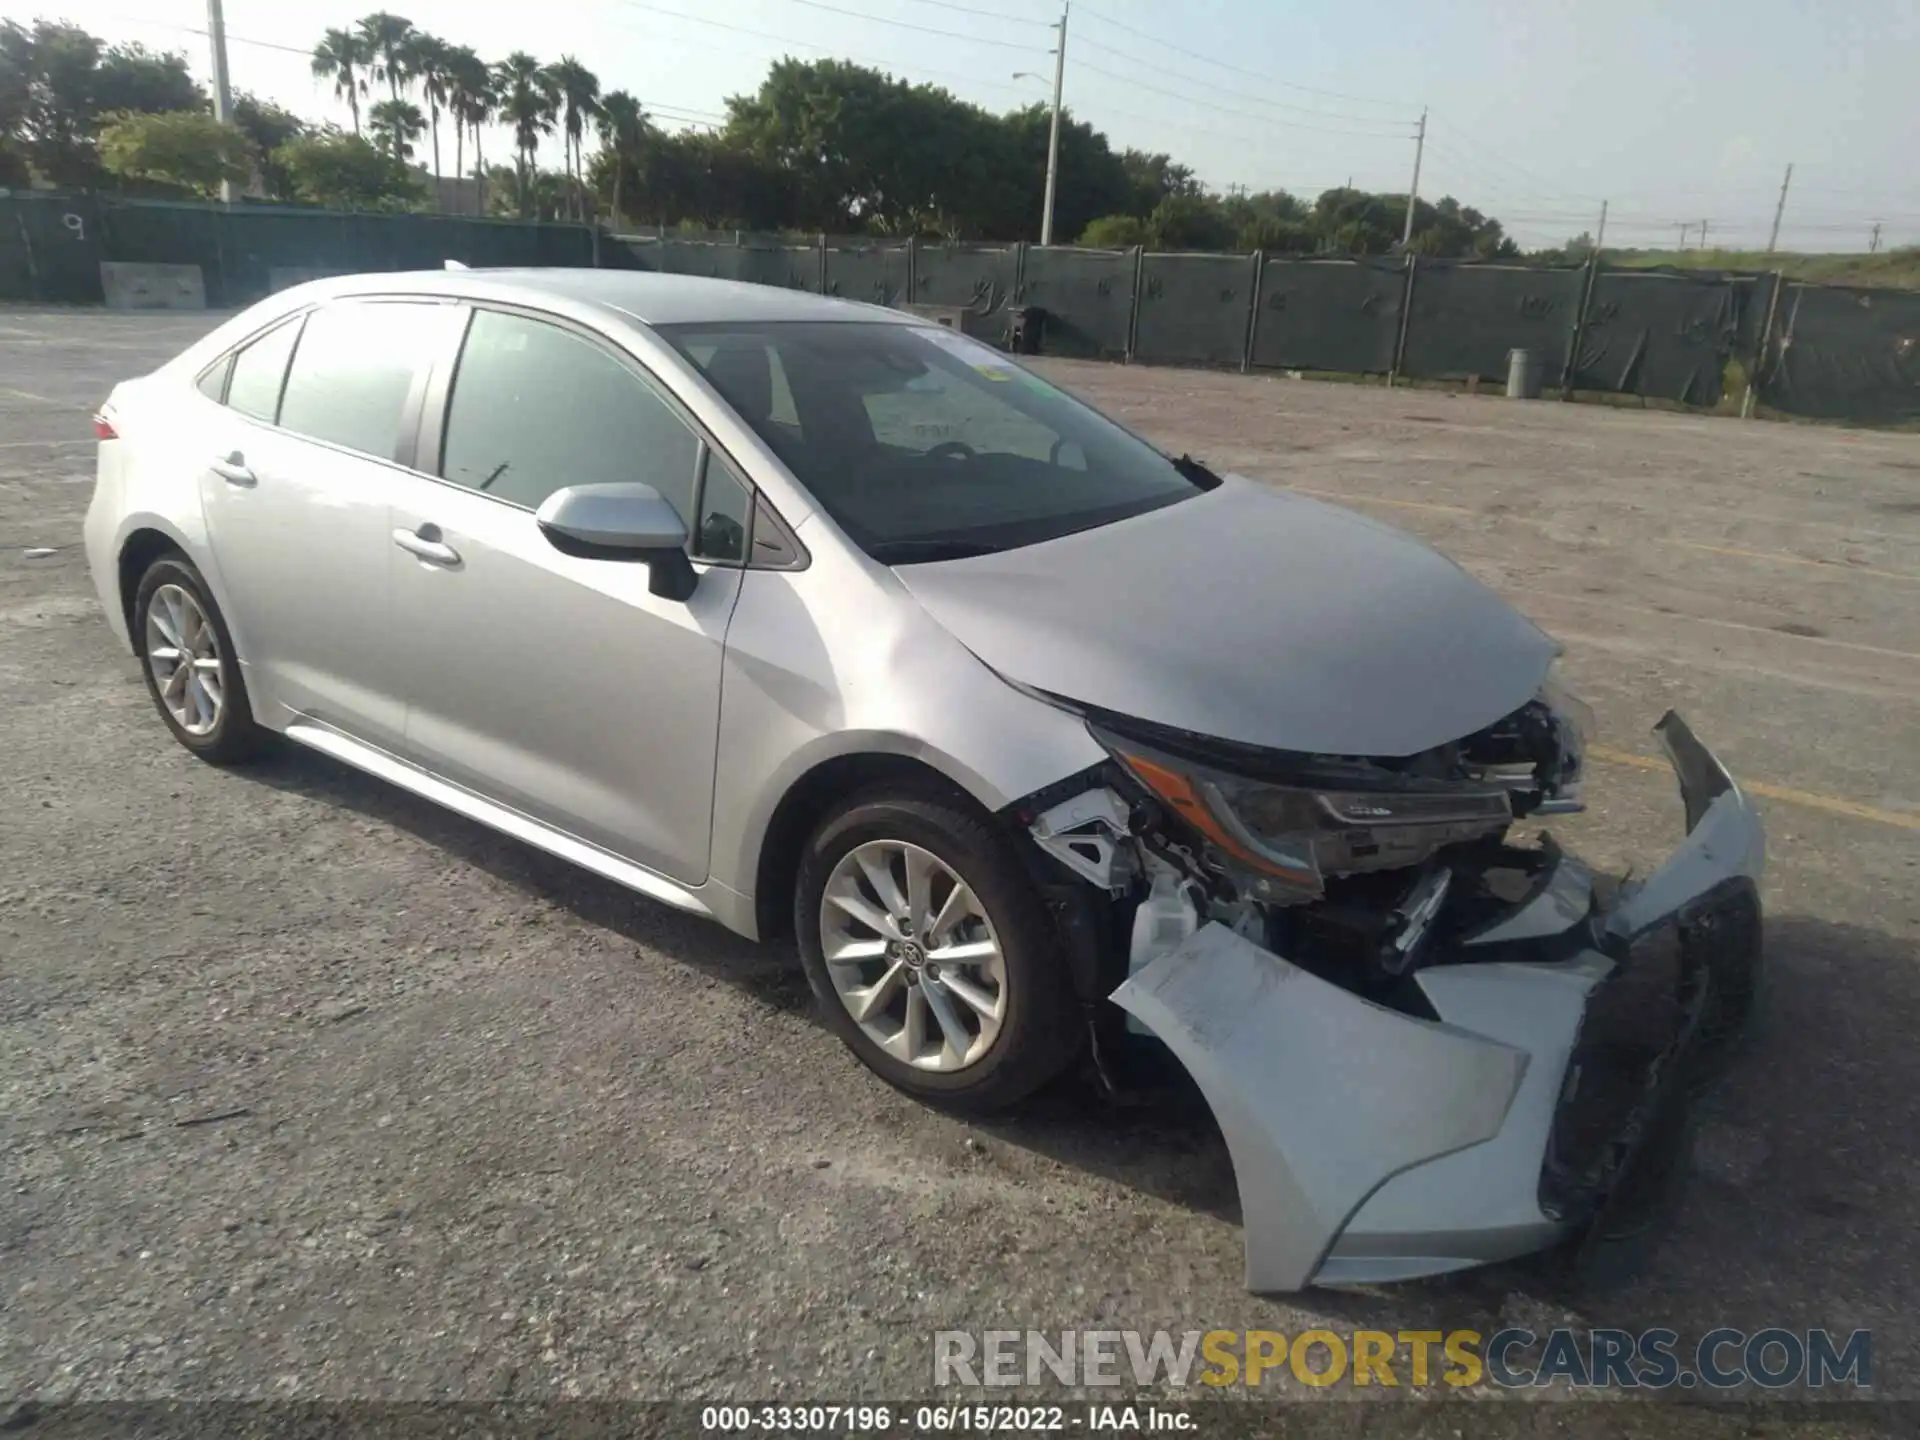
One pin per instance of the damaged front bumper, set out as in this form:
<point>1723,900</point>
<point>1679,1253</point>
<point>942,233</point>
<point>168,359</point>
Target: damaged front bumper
<point>1545,1103</point>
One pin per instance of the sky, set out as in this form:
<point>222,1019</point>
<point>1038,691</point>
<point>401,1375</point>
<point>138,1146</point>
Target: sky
<point>1674,112</point>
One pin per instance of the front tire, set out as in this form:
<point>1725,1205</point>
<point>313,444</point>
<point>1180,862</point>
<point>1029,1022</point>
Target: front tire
<point>191,669</point>
<point>931,955</point>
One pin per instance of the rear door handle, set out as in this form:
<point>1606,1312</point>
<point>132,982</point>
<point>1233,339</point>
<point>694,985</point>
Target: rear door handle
<point>233,469</point>
<point>427,544</point>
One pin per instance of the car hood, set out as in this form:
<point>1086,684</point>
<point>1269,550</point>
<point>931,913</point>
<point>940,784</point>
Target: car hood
<point>1249,614</point>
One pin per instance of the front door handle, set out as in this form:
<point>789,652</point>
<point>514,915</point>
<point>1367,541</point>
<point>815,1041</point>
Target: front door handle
<point>233,469</point>
<point>427,544</point>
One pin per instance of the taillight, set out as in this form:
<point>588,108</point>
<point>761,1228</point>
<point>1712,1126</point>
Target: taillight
<point>103,428</point>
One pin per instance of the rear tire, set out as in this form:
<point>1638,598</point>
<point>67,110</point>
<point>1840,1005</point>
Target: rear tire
<point>954,930</point>
<point>191,669</point>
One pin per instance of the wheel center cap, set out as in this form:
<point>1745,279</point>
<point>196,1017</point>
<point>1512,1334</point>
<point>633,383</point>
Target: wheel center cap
<point>912,954</point>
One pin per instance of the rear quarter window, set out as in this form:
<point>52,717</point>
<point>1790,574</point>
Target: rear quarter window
<point>353,371</point>
<point>259,367</point>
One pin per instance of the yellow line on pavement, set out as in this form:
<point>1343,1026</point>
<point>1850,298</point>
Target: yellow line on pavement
<point>1832,804</point>
<point>1353,497</point>
<point>1840,565</point>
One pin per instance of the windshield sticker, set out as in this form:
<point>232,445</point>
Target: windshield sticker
<point>982,358</point>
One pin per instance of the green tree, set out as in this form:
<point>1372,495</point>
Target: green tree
<point>698,178</point>
<point>388,40</point>
<point>268,127</point>
<point>861,150</point>
<point>1152,178</point>
<point>1277,236</point>
<point>1189,222</point>
<point>179,149</point>
<point>622,124</point>
<point>56,124</point>
<point>343,57</point>
<point>529,103</point>
<point>533,195</point>
<point>396,124</point>
<point>346,172</point>
<point>1092,178</point>
<point>431,59</point>
<point>134,78</point>
<point>470,98</point>
<point>16,78</point>
<point>1115,232</point>
<point>578,89</point>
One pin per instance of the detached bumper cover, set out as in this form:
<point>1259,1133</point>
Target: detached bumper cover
<point>1369,1145</point>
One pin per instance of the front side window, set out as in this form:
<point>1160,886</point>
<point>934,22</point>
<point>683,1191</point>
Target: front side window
<point>924,444</point>
<point>353,371</point>
<point>258,370</point>
<point>536,407</point>
<point>726,510</point>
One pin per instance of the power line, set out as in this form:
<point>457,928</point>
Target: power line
<point>813,45</point>
<point>1237,94</point>
<point>1236,69</point>
<point>989,14</point>
<point>232,38</point>
<point>1243,114</point>
<point>922,29</point>
<point>1537,179</point>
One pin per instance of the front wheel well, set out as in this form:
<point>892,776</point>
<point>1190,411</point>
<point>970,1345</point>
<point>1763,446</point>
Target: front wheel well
<point>141,549</point>
<point>807,803</point>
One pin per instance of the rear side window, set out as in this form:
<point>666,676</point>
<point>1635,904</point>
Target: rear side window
<point>536,407</point>
<point>353,371</point>
<point>258,369</point>
<point>213,380</point>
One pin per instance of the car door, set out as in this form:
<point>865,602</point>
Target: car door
<point>554,684</point>
<point>296,495</point>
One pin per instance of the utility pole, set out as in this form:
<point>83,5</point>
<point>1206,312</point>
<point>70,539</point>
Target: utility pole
<point>222,95</point>
<point>1683,233</point>
<point>1873,246</point>
<point>1600,235</point>
<point>1703,234</point>
<point>1779,210</point>
<point>1053,138</point>
<point>1413,190</point>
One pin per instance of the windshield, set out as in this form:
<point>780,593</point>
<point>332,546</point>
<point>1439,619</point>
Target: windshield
<point>923,444</point>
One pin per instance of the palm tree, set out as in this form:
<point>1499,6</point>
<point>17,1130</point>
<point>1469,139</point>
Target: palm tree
<point>528,102</point>
<point>470,97</point>
<point>579,90</point>
<point>429,57</point>
<point>342,57</point>
<point>386,36</point>
<point>397,124</point>
<point>623,134</point>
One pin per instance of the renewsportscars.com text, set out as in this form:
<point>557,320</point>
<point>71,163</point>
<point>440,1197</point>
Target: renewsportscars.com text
<point>1655,1359</point>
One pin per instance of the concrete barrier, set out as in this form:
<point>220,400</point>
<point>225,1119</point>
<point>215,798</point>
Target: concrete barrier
<point>130,286</point>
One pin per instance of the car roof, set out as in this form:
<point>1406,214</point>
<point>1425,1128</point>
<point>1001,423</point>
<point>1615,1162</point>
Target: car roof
<point>652,299</point>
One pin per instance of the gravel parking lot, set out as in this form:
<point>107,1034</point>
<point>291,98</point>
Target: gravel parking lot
<point>309,1089</point>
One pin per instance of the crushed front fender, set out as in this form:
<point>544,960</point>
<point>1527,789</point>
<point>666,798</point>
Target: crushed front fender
<point>1370,1144</point>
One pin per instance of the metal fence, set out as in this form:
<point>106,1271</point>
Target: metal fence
<point>1823,351</point>
<point>52,246</point>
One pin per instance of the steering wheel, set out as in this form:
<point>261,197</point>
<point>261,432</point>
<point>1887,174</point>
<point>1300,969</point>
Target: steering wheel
<point>951,450</point>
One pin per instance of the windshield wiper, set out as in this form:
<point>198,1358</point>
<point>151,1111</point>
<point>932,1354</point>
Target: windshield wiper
<point>918,552</point>
<point>1192,469</point>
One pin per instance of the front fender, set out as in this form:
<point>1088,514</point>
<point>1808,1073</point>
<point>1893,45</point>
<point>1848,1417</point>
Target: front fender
<point>827,663</point>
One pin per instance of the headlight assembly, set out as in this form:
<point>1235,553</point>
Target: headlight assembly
<point>1286,839</point>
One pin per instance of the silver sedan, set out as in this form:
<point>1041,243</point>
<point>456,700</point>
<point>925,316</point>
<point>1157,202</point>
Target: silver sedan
<point>1046,746</point>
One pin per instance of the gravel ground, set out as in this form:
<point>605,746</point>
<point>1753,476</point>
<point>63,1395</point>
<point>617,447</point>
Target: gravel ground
<point>309,1089</point>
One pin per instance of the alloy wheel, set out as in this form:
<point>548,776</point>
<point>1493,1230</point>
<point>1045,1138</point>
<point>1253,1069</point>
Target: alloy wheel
<point>913,955</point>
<point>184,654</point>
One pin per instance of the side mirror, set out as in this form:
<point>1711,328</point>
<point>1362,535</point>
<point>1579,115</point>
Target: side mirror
<point>628,522</point>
